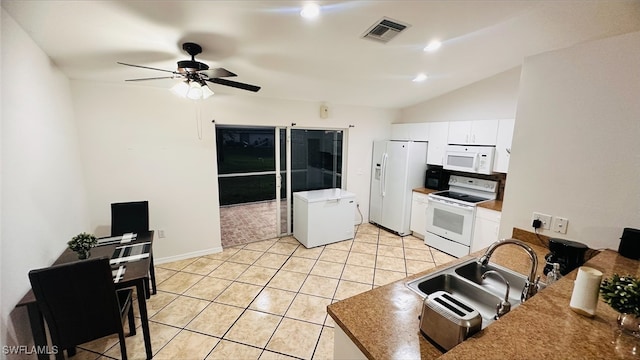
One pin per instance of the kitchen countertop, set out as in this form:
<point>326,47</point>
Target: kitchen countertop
<point>425,190</point>
<point>383,322</point>
<point>492,205</point>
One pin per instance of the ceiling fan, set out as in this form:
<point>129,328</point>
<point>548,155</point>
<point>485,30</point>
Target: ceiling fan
<point>196,74</point>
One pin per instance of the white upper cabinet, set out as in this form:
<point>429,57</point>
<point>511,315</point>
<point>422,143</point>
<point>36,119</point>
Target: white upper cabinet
<point>438,132</point>
<point>410,131</point>
<point>503,145</point>
<point>476,132</point>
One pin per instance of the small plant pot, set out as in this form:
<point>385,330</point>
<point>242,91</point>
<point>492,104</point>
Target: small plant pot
<point>83,254</point>
<point>629,324</point>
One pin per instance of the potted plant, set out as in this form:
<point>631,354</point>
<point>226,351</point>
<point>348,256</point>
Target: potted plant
<point>622,293</point>
<point>82,244</point>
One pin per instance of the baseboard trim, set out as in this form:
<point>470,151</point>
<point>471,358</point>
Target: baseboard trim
<point>187,255</point>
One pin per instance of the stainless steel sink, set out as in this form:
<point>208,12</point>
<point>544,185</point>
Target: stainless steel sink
<point>482,301</point>
<point>464,281</point>
<point>473,271</point>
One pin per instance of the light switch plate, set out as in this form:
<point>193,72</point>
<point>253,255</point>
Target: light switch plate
<point>559,225</point>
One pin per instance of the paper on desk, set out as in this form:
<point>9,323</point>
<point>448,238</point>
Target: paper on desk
<point>121,239</point>
<point>128,253</point>
<point>118,273</point>
<point>126,238</point>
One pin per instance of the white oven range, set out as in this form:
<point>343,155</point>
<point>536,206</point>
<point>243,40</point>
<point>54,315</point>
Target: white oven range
<point>451,213</point>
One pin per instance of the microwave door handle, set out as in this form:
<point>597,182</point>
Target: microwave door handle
<point>476,156</point>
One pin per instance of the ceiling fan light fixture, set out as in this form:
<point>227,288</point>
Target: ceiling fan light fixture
<point>206,92</point>
<point>195,91</point>
<point>181,89</point>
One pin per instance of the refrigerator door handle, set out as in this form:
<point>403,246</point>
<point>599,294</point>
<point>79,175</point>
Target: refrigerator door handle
<point>383,178</point>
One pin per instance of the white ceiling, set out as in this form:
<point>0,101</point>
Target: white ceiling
<point>267,43</point>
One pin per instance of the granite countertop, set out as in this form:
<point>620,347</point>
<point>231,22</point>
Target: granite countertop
<point>384,324</point>
<point>425,190</point>
<point>492,205</point>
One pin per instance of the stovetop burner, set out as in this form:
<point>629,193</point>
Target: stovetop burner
<point>461,196</point>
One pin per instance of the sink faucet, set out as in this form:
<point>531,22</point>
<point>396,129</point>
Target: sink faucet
<point>504,306</point>
<point>531,286</point>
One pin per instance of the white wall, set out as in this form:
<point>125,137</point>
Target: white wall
<point>141,142</point>
<point>576,145</point>
<point>495,97</point>
<point>43,194</point>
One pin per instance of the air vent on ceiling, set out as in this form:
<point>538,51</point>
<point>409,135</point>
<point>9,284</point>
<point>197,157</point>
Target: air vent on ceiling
<point>384,30</point>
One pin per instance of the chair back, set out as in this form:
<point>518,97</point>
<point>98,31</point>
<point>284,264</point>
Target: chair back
<point>78,301</point>
<point>129,217</point>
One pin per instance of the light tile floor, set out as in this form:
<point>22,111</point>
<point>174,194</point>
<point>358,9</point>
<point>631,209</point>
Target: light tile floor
<point>266,299</point>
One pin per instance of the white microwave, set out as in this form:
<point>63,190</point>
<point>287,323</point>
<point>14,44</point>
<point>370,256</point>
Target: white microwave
<point>471,159</point>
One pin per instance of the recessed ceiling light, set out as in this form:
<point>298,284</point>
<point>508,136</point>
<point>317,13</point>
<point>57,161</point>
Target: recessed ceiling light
<point>310,11</point>
<point>420,78</point>
<point>433,46</point>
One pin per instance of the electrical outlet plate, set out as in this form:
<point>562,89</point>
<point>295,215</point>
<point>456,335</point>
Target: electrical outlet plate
<point>544,218</point>
<point>559,225</point>
<point>161,233</point>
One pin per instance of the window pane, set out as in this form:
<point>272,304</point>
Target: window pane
<point>245,189</point>
<point>242,150</point>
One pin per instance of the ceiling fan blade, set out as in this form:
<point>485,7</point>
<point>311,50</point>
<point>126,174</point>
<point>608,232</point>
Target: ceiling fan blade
<point>234,84</point>
<point>217,73</point>
<point>146,67</point>
<point>153,78</point>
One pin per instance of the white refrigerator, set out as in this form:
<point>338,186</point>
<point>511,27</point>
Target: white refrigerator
<point>398,167</point>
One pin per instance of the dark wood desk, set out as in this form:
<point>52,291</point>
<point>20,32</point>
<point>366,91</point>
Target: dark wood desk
<point>136,275</point>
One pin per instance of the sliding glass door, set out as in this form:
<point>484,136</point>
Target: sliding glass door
<point>265,165</point>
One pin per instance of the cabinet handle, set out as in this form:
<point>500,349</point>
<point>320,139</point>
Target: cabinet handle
<point>508,151</point>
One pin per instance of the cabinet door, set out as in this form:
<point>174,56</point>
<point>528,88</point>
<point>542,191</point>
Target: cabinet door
<point>503,145</point>
<point>458,132</point>
<point>485,229</point>
<point>438,132</point>
<point>484,132</point>
<point>410,131</point>
<point>418,214</point>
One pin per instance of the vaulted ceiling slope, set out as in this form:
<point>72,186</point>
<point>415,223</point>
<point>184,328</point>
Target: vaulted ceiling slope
<point>324,59</point>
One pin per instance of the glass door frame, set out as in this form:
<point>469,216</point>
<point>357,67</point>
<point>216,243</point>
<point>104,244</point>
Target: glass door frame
<point>278,166</point>
<point>289,194</point>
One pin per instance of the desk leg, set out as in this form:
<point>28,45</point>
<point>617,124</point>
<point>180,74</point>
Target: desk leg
<point>144,318</point>
<point>152,273</point>
<point>37,329</point>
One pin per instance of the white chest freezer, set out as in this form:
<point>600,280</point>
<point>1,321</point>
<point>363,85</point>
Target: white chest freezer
<point>323,217</point>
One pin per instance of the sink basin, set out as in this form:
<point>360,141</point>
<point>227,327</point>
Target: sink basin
<point>464,281</point>
<point>482,301</point>
<point>473,271</point>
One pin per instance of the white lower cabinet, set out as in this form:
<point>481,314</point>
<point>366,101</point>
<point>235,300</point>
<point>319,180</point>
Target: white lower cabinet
<point>344,348</point>
<point>485,228</point>
<point>418,223</point>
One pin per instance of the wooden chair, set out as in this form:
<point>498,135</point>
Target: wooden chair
<point>129,217</point>
<point>80,303</point>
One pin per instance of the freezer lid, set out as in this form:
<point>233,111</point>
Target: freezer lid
<point>323,195</point>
